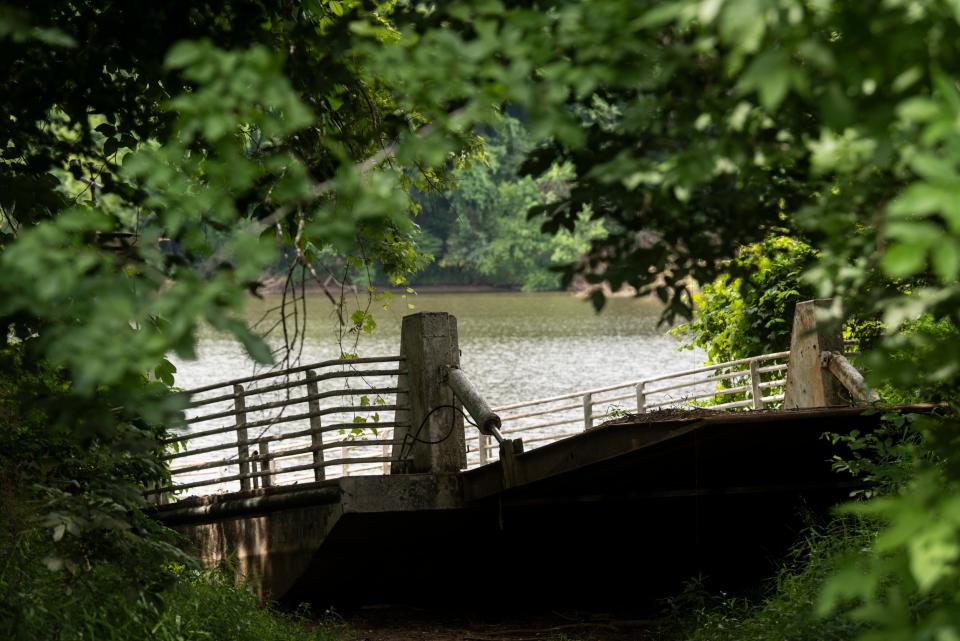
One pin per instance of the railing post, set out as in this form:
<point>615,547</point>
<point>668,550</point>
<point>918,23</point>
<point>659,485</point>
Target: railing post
<point>156,498</point>
<point>255,479</point>
<point>510,449</point>
<point>641,398</point>
<point>316,435</point>
<point>266,465</point>
<point>482,445</point>
<point>755,384</point>
<point>587,411</point>
<point>243,450</point>
<point>430,436</point>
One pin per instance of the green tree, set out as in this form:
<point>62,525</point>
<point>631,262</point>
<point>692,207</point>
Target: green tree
<point>479,229</point>
<point>155,161</point>
<point>748,311</point>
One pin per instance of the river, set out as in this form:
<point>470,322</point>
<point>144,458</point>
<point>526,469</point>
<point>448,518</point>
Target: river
<point>515,346</point>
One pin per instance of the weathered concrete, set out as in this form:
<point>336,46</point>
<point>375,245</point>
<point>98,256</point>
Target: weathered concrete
<point>434,440</point>
<point>809,384</point>
<point>273,535</point>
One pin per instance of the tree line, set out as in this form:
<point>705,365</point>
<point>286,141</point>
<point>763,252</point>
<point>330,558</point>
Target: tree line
<point>478,232</point>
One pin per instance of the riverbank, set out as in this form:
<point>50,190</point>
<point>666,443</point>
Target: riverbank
<point>579,289</point>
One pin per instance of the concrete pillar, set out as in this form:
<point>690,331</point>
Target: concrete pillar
<point>809,384</point>
<point>434,440</point>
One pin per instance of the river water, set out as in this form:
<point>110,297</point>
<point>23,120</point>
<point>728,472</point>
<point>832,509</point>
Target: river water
<point>515,346</point>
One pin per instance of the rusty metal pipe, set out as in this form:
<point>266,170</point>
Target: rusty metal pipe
<point>488,421</point>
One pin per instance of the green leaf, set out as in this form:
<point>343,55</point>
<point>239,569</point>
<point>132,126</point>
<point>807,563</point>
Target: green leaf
<point>53,37</point>
<point>932,554</point>
<point>769,74</point>
<point>662,14</point>
<point>947,91</point>
<point>743,25</point>
<point>357,317</point>
<point>110,146</point>
<point>946,260</point>
<point>184,54</point>
<point>848,583</point>
<point>935,168</point>
<point>918,109</point>
<point>922,233</point>
<point>919,199</point>
<point>256,347</point>
<point>902,260</point>
<point>165,371</point>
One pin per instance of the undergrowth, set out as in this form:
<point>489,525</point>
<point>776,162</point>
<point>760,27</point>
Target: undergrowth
<point>784,609</point>
<point>105,603</point>
<point>79,559</point>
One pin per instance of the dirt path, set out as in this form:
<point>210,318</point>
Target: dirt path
<point>394,623</point>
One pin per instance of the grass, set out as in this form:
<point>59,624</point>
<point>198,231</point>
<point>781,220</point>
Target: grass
<point>784,608</point>
<point>107,602</point>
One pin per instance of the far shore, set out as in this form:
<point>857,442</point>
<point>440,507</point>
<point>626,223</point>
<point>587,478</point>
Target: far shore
<point>274,286</point>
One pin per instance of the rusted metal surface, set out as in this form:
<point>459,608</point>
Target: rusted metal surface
<point>483,415</point>
<point>658,442</point>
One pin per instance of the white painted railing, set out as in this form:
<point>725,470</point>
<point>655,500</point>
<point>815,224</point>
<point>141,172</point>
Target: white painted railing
<point>299,425</point>
<point>250,436</point>
<point>747,383</point>
<point>743,384</point>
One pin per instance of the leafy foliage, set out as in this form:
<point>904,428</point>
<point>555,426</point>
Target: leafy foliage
<point>479,230</point>
<point>146,186</point>
<point>749,310</point>
<point>190,605</point>
<point>155,160</point>
<point>786,607</point>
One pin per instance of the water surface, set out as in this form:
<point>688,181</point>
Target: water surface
<point>515,346</point>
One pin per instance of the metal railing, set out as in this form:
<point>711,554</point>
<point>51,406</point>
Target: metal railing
<point>748,383</point>
<point>743,384</point>
<point>304,424</point>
